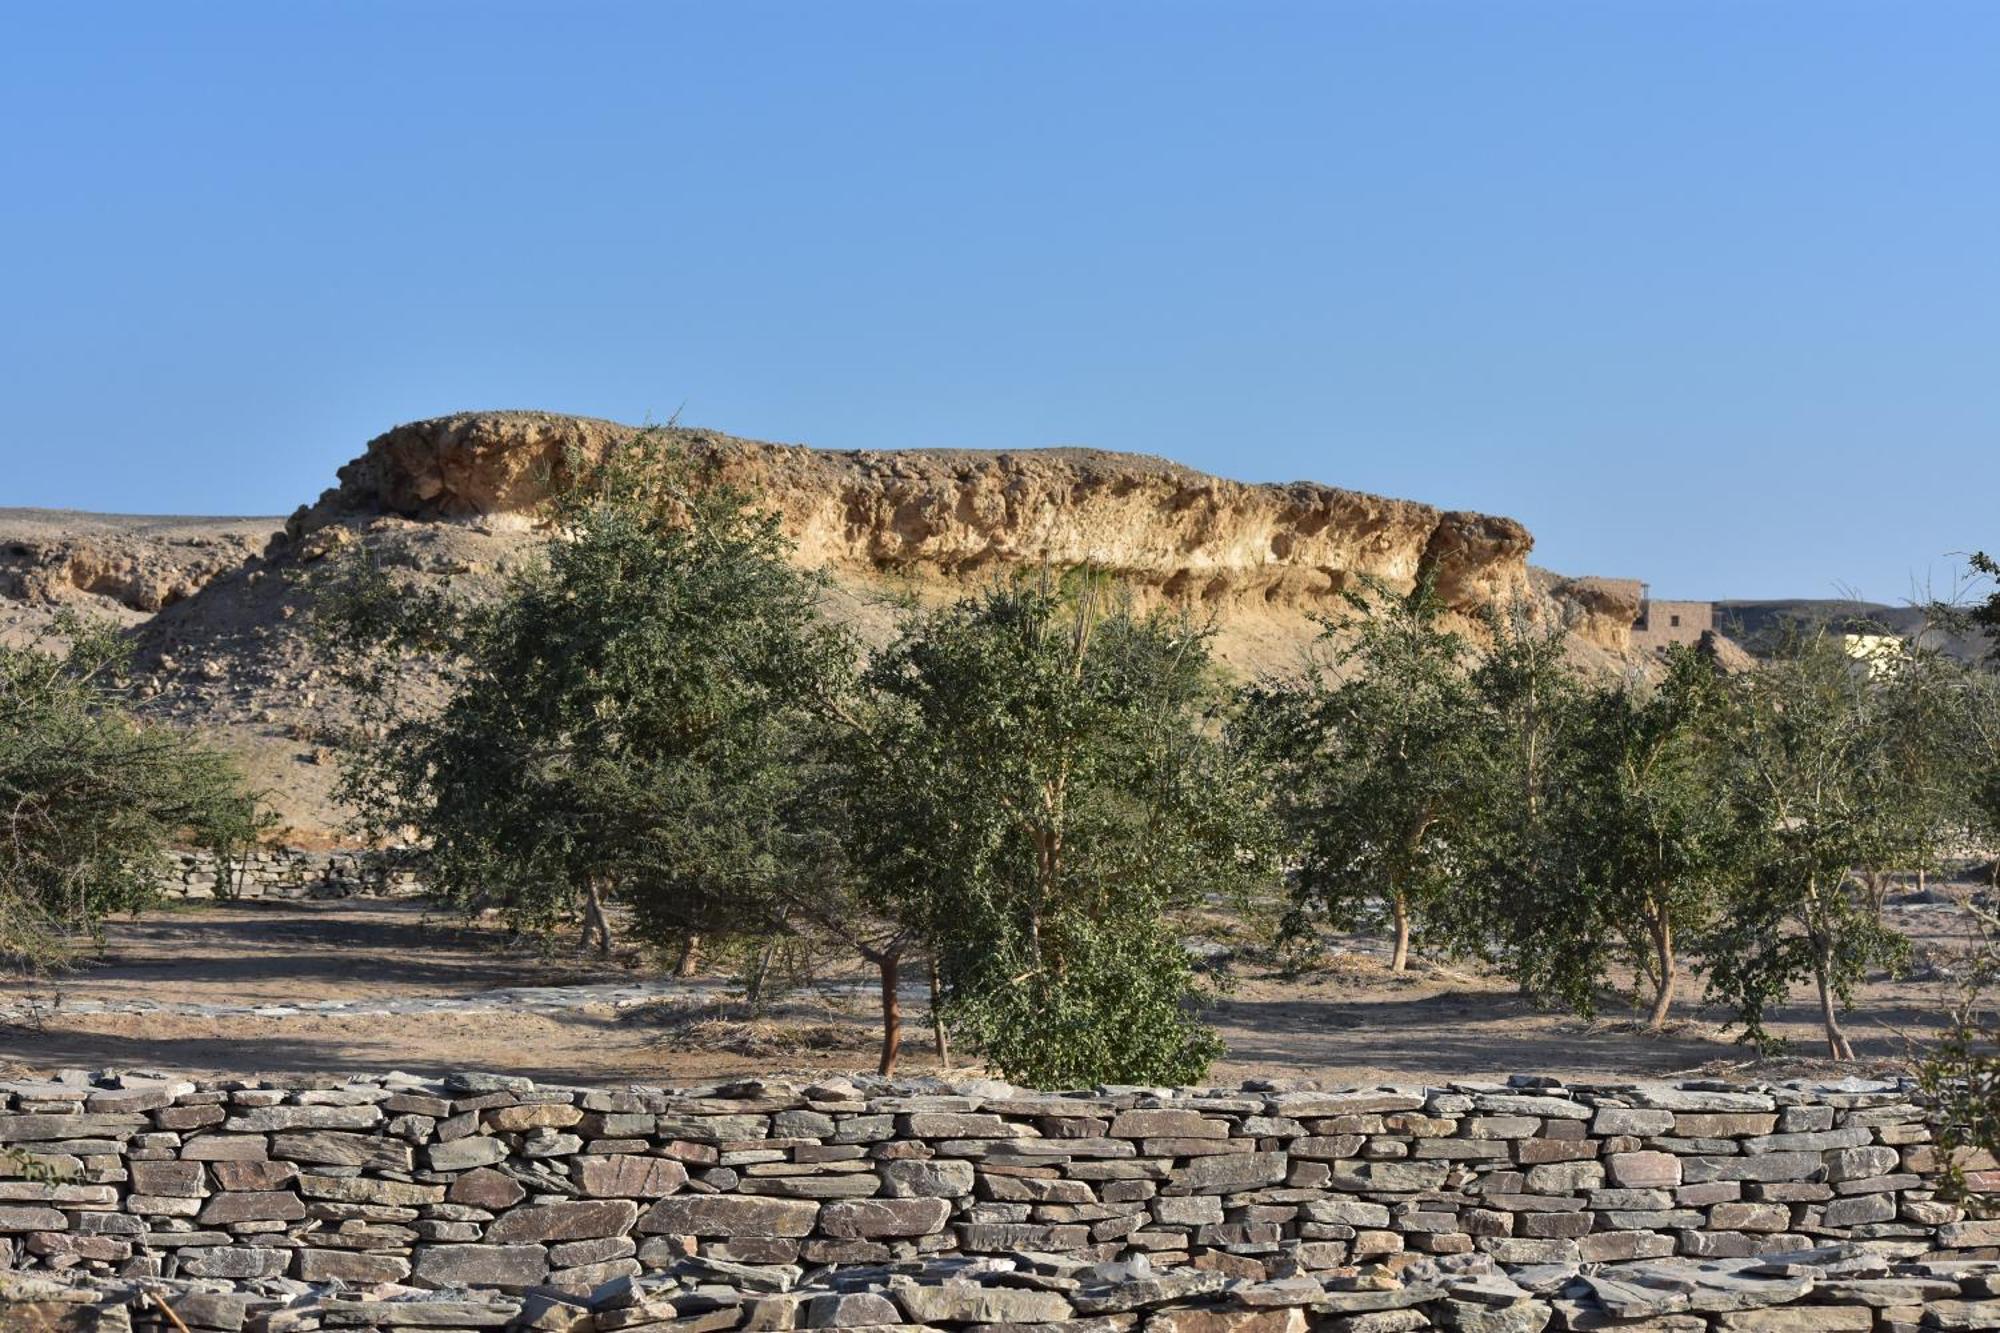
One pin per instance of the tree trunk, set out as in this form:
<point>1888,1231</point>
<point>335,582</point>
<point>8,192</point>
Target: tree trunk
<point>1400,960</point>
<point>892,1013</point>
<point>1667,977</point>
<point>760,973</point>
<point>690,957</point>
<point>937,1021</point>
<point>595,922</point>
<point>1837,1046</point>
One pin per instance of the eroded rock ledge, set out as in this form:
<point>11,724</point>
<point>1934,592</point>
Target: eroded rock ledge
<point>764,1205</point>
<point>950,514</point>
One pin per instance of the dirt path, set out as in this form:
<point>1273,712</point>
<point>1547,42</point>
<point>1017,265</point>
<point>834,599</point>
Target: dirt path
<point>1351,1024</point>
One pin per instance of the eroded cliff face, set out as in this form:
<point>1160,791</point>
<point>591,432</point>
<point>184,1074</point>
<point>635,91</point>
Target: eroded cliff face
<point>52,559</point>
<point>1177,536</point>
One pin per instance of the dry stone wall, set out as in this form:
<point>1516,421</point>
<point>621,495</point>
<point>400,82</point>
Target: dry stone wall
<point>289,873</point>
<point>1474,1206</point>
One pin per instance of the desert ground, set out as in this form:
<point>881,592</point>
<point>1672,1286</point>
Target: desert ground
<point>381,984</point>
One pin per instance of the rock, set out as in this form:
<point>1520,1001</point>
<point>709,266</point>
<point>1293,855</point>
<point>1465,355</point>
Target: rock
<point>260,1119</point>
<point>1962,1315</point>
<point>486,1188</point>
<point>924,1180</point>
<point>855,1309</point>
<point>582,1219</point>
<point>1798,1319</point>
<point>857,1218</point>
<point>332,1148</point>
<point>361,1189</point>
<point>535,1115</point>
<point>463,1154</point>
<point>970,1303</point>
<point>1527,1316</point>
<point>1644,1170</point>
<point>727,1215</point>
<point>1144,1289</point>
<point>253,1206</point>
<point>319,1265</point>
<point>510,1267</point>
<point>1215,1320</point>
<point>629,1177</point>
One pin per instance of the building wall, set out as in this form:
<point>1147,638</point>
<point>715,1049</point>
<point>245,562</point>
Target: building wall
<point>1662,623</point>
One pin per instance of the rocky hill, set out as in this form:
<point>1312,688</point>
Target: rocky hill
<point>220,608</point>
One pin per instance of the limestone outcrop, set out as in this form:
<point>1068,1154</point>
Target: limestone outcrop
<point>1167,531</point>
<point>54,559</point>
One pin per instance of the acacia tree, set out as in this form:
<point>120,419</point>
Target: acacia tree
<point>1816,800</point>
<point>1042,796</point>
<point>1370,770</point>
<point>1641,841</point>
<point>629,719</point>
<point>91,799</point>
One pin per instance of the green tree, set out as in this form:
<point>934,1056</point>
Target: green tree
<point>1817,799</point>
<point>1641,838</point>
<point>1982,764</point>
<point>1961,1071</point>
<point>1923,733</point>
<point>91,799</point>
<point>630,720</point>
<point>1985,613</point>
<point>1042,796</point>
<point>1527,701</point>
<point>1368,755</point>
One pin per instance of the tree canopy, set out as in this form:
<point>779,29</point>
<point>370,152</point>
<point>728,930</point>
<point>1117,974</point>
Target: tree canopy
<point>625,720</point>
<point>92,799</point>
<point>1045,798</point>
<point>1367,755</point>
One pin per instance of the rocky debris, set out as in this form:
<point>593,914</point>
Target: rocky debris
<point>110,564</point>
<point>765,1204</point>
<point>1467,1293</point>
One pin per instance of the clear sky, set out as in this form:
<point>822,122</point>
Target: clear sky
<point>1706,293</point>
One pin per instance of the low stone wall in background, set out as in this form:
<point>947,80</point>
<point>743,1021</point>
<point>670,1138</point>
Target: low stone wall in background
<point>765,1204</point>
<point>290,873</point>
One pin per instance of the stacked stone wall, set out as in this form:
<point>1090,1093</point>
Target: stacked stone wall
<point>289,873</point>
<point>497,1185</point>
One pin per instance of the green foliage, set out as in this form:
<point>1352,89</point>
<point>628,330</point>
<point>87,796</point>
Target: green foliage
<point>1369,768</point>
<point>1960,1074</point>
<point>1981,759</point>
<point>23,1165</point>
<point>91,799</point>
<point>1511,907</point>
<point>1985,614</point>
<point>1043,796</point>
<point>1818,796</point>
<point>1639,840</point>
<point>629,719</point>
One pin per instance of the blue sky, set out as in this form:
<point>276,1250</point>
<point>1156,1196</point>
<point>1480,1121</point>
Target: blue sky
<point>1705,293</point>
